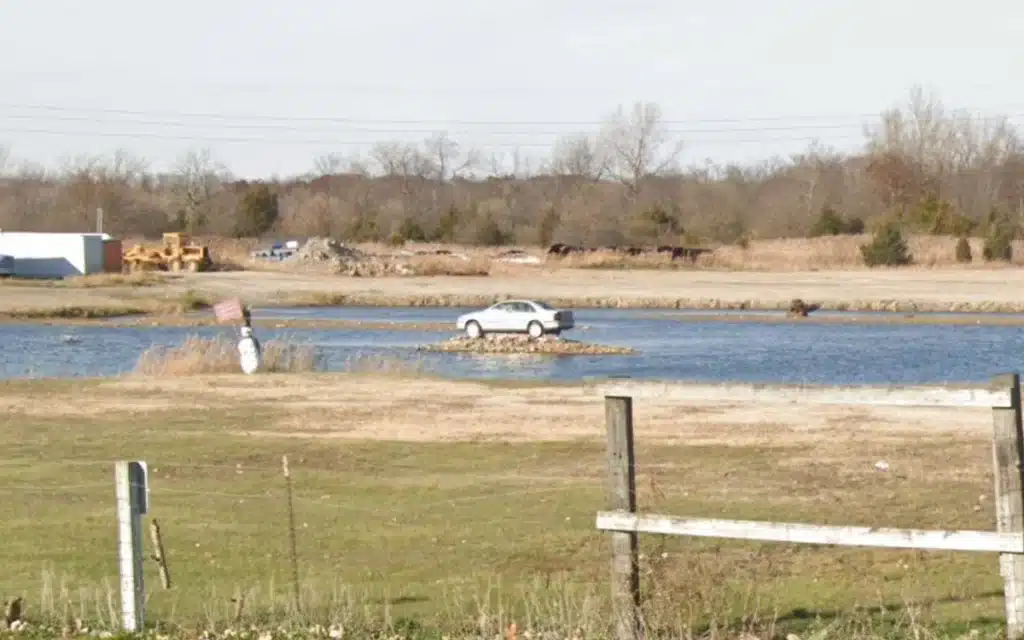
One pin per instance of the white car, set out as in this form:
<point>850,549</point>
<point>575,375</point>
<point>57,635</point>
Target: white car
<point>516,316</point>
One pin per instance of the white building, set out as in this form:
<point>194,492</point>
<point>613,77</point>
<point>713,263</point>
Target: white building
<point>54,255</point>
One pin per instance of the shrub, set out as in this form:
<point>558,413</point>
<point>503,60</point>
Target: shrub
<point>830,223</point>
<point>999,243</point>
<point>257,212</point>
<point>887,248</point>
<point>963,251</point>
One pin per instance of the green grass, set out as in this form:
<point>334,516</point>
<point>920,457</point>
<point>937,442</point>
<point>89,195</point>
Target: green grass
<point>441,533</point>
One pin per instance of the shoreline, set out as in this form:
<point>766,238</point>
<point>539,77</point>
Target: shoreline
<point>648,303</point>
<point>941,316</point>
<point>973,295</point>
<point>867,312</point>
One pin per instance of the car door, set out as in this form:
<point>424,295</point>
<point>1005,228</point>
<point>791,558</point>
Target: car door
<point>499,317</point>
<point>524,314</point>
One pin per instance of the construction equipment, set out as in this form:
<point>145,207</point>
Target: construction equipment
<point>178,253</point>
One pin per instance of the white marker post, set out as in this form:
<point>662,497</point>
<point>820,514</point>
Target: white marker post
<point>132,503</point>
<point>249,352</point>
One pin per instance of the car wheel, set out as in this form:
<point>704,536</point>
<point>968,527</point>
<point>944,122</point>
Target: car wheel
<point>535,329</point>
<point>473,329</point>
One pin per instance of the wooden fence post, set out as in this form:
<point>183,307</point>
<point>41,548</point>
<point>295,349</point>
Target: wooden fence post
<point>618,413</point>
<point>1008,456</point>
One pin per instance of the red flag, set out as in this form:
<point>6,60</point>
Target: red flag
<point>229,310</point>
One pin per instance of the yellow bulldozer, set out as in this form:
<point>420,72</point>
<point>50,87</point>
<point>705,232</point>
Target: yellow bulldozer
<point>178,253</point>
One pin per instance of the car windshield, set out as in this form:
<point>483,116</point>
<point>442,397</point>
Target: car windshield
<point>543,305</point>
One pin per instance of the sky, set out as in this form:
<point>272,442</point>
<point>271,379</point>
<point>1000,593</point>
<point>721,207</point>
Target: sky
<point>268,87</point>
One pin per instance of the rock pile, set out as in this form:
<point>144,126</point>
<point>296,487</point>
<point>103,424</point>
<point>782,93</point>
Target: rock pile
<point>346,260</point>
<point>321,249</point>
<point>515,344</point>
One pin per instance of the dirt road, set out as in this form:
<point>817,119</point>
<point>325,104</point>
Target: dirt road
<point>899,290</point>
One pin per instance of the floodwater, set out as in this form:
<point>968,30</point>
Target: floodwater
<point>706,351</point>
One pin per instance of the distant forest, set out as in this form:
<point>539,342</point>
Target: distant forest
<point>922,167</point>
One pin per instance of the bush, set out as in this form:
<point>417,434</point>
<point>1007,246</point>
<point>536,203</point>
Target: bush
<point>887,248</point>
<point>963,251</point>
<point>830,223</point>
<point>999,243</point>
<point>257,213</point>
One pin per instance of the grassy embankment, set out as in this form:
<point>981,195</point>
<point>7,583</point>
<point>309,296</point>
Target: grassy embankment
<point>427,507</point>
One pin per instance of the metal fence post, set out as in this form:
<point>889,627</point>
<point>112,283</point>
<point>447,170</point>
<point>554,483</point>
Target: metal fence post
<point>131,504</point>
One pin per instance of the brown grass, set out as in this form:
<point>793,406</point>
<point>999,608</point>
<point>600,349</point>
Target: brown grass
<point>199,355</point>
<point>795,254</point>
<point>785,254</point>
<point>450,266</point>
<point>143,279</point>
<point>94,281</point>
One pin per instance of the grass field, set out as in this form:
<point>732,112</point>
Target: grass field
<point>440,508</point>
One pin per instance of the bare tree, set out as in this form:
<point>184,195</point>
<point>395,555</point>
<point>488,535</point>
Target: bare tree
<point>580,155</point>
<point>5,156</point>
<point>197,177</point>
<point>639,145</point>
<point>449,162</point>
<point>515,168</point>
<point>921,132</point>
<point>402,159</point>
<point>328,164</point>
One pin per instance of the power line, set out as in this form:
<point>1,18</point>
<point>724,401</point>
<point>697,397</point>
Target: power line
<point>290,128</point>
<point>336,142</point>
<point>1015,112</point>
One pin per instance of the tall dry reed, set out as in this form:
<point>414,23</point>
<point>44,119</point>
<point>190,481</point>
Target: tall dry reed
<point>199,355</point>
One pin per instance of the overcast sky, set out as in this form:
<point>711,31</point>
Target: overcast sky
<point>269,86</point>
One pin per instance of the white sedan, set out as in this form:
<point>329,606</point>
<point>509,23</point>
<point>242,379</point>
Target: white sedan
<point>516,316</point>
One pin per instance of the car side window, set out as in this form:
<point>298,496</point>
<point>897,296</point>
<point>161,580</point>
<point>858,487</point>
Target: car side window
<point>504,306</point>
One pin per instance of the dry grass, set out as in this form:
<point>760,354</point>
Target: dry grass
<point>431,509</point>
<point>794,254</point>
<point>842,252</point>
<point>450,266</point>
<point>94,281</point>
<point>143,279</point>
<point>199,355</point>
<point>786,254</point>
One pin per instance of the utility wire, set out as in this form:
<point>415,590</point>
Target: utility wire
<point>1016,111</point>
<point>349,129</point>
<point>336,142</point>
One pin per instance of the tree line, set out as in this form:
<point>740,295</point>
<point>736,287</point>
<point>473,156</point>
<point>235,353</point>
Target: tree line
<point>922,169</point>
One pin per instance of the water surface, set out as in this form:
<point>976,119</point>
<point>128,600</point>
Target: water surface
<point>668,349</point>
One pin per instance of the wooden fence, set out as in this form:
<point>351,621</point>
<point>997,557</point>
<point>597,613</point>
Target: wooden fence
<point>1002,395</point>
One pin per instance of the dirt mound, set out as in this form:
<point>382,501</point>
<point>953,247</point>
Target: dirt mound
<point>513,344</point>
<point>321,249</point>
<point>346,260</point>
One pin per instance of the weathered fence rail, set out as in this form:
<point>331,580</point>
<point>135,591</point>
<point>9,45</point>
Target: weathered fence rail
<point>623,522</point>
